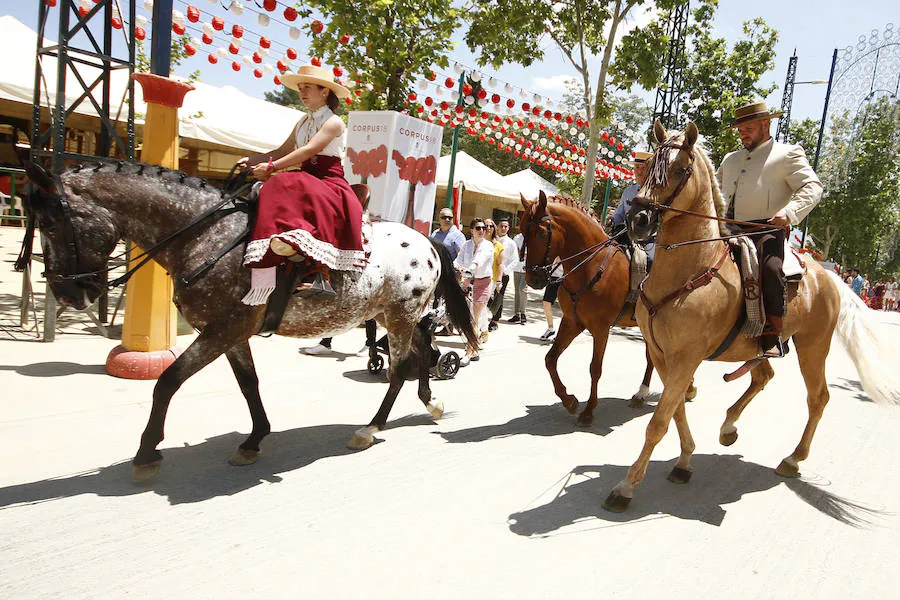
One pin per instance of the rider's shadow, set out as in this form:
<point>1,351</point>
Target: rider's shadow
<point>549,420</point>
<point>575,503</point>
<point>200,472</point>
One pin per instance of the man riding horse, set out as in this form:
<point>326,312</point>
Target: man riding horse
<point>768,182</point>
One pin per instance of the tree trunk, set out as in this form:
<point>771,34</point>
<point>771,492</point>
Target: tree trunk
<point>830,234</point>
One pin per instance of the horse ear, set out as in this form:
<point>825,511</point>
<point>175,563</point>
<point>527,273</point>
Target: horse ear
<point>542,200</point>
<point>660,132</point>
<point>41,178</point>
<point>526,204</point>
<point>691,133</point>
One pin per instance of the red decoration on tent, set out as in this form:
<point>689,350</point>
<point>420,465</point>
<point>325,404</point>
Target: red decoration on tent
<point>444,105</point>
<point>277,80</point>
<point>257,73</point>
<point>178,28</point>
<point>431,75</point>
<point>620,146</point>
<point>257,58</point>
<point>189,49</point>
<point>449,82</point>
<point>314,61</point>
<point>429,101</point>
<point>292,55</point>
<point>235,65</point>
<point>265,42</point>
<point>290,13</point>
<point>50,3</point>
<point>467,89</point>
<point>495,98</point>
<point>82,11</point>
<point>237,31</point>
<point>510,103</point>
<point>116,23</point>
<point>482,94</point>
<point>344,39</point>
<point>140,33</point>
<point>233,49</point>
<point>337,71</point>
<point>218,23</point>
<point>412,96</point>
<point>207,39</point>
<point>605,135</point>
<point>281,66</point>
<point>348,100</point>
<point>212,58</point>
<point>317,27</point>
<point>193,13</point>
<point>270,5</point>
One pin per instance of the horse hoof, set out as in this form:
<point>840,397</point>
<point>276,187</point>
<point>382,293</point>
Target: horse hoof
<point>679,475</point>
<point>585,420</point>
<point>690,394</point>
<point>616,502</point>
<point>637,401</point>
<point>144,473</point>
<point>435,408</point>
<point>788,468</point>
<point>570,403</point>
<point>362,438</point>
<point>727,439</point>
<point>242,458</point>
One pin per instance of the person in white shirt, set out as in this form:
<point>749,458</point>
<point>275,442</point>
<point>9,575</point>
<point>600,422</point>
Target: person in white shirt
<point>477,258</point>
<point>519,284</point>
<point>510,260</point>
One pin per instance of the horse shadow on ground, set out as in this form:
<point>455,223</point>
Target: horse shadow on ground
<point>718,480</point>
<point>530,339</point>
<point>55,369</point>
<point>853,386</point>
<point>629,333</point>
<point>551,420</point>
<point>200,472</point>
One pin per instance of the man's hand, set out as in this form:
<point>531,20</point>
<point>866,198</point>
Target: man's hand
<point>780,219</point>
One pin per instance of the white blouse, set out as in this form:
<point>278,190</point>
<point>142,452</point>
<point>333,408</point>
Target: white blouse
<point>311,123</point>
<point>480,261</point>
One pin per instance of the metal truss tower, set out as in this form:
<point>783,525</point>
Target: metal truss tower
<point>86,57</point>
<point>668,94</point>
<point>787,99</point>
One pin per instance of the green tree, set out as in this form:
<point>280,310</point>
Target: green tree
<point>859,213</point>
<point>806,134</point>
<point>515,31</point>
<point>176,57</point>
<point>391,44</point>
<point>285,97</point>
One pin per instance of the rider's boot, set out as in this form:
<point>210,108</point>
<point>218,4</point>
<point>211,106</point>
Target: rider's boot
<point>770,340</point>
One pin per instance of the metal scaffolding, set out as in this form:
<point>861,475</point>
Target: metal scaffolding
<point>668,94</point>
<point>787,99</point>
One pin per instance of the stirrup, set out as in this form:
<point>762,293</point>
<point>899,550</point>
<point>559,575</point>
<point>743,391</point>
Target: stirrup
<point>778,350</point>
<point>319,285</point>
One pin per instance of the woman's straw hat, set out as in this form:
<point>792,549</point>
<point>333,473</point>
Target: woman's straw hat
<point>755,111</point>
<point>316,75</point>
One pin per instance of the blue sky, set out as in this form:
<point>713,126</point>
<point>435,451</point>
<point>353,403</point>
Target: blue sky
<point>815,28</point>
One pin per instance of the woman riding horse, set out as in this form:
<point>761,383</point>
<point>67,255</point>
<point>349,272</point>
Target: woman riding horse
<point>311,212</point>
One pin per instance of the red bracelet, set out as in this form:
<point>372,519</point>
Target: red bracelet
<point>270,166</point>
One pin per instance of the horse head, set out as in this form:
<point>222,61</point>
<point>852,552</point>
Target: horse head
<point>543,241</point>
<point>77,238</point>
<point>669,175</point>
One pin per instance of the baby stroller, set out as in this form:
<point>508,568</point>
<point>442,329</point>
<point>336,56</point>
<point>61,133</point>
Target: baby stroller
<point>443,366</point>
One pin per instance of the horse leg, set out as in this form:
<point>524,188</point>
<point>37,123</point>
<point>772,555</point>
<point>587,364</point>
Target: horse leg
<point>568,331</point>
<point>759,377</point>
<point>241,361</point>
<point>811,354</point>
<point>206,348</point>
<point>600,340</point>
<point>676,381</point>
<point>400,334</point>
<point>643,393</point>
<point>682,471</point>
<point>422,338</point>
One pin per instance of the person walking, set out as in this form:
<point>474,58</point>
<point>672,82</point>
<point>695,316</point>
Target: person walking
<point>490,234</point>
<point>519,284</point>
<point>856,282</point>
<point>477,259</point>
<point>510,260</point>
<point>770,183</point>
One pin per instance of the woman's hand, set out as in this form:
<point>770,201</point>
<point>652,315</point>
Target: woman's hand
<point>242,162</point>
<point>262,171</point>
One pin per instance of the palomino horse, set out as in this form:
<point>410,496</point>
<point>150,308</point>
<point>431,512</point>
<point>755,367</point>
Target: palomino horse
<point>83,213</point>
<point>595,287</point>
<point>693,297</point>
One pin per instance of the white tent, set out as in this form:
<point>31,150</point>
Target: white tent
<point>212,117</point>
<point>482,184</point>
<point>529,184</point>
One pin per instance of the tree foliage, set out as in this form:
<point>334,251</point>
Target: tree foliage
<point>392,43</point>
<point>176,56</point>
<point>806,134</point>
<point>859,214</point>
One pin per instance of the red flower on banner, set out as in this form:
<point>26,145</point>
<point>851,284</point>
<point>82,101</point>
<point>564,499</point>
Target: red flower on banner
<point>368,163</point>
<point>415,171</point>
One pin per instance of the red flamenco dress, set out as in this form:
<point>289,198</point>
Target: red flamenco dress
<point>314,210</point>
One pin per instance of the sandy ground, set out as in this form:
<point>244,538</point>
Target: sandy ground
<point>500,498</point>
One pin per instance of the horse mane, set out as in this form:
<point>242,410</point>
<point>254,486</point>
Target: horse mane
<point>575,205</point>
<point>144,170</point>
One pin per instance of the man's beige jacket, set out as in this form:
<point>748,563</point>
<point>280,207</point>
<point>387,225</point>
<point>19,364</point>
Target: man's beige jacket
<point>773,176</point>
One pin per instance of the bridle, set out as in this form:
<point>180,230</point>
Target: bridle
<point>546,265</point>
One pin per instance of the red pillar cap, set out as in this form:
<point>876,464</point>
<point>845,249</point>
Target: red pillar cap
<point>162,90</point>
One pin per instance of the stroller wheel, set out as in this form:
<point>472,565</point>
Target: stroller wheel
<point>376,364</point>
<point>448,365</point>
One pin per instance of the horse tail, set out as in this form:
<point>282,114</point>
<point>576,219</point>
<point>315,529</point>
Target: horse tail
<point>868,344</point>
<point>449,291</point>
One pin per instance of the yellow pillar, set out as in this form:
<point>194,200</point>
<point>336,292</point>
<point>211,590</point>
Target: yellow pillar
<point>150,326</point>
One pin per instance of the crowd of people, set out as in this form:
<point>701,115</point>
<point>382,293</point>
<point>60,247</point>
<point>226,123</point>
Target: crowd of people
<point>881,295</point>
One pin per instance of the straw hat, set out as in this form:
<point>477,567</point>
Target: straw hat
<point>316,75</point>
<point>640,156</point>
<point>755,111</point>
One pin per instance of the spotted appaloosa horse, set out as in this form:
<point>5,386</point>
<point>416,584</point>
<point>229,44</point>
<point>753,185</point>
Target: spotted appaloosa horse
<point>82,221</point>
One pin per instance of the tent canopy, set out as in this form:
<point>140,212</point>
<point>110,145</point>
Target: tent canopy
<point>211,116</point>
<point>478,179</point>
<point>529,184</point>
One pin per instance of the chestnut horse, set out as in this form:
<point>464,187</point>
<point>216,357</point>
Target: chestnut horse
<point>689,306</point>
<point>593,291</point>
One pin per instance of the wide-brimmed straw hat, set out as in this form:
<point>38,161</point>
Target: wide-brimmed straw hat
<point>640,156</point>
<point>316,75</point>
<point>755,111</point>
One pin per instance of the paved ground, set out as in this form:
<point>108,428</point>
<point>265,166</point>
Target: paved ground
<point>501,498</point>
